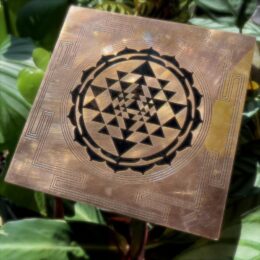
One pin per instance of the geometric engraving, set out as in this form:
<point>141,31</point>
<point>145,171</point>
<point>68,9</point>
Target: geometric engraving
<point>144,116</point>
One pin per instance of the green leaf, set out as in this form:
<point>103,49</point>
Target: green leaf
<point>138,230</point>
<point>238,11</point>
<point>35,239</point>
<point>223,6</point>
<point>41,58</point>
<point>250,130</point>
<point>177,10</point>
<point>84,212</point>
<point>29,80</point>
<point>15,54</point>
<point>12,8</point>
<point>115,7</point>
<point>239,240</point>
<point>42,20</point>
<point>147,7</point>
<point>22,197</point>
<point>95,3</point>
<point>211,24</point>
<point>252,29</point>
<point>3,31</point>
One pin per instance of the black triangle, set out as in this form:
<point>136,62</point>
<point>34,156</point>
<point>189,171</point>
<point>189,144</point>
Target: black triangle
<point>126,133</point>
<point>147,114</point>
<point>113,93</point>
<point>141,81</point>
<point>110,82</point>
<point>122,146</point>
<point>150,105</point>
<point>134,105</point>
<point>154,91</point>
<point>154,120</point>
<point>144,69</point>
<point>163,82</point>
<point>142,129</point>
<point>113,122</point>
<point>99,119</point>
<point>147,141</point>
<point>109,109</point>
<point>97,90</point>
<point>104,130</point>
<point>117,107</point>
<point>169,94</point>
<point>121,74</point>
<point>129,122</point>
<point>149,100</point>
<point>131,115</point>
<point>138,90</point>
<point>92,105</point>
<point>124,85</point>
<point>176,108</point>
<point>158,132</point>
<point>172,123</point>
<point>158,103</point>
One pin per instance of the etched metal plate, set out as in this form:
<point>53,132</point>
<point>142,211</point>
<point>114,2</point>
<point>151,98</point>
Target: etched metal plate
<point>140,117</point>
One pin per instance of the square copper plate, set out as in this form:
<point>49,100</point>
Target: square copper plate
<point>140,117</point>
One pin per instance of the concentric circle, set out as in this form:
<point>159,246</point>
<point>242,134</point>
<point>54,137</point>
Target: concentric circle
<point>135,110</point>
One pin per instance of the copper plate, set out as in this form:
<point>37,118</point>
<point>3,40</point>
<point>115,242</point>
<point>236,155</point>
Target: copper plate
<point>140,117</point>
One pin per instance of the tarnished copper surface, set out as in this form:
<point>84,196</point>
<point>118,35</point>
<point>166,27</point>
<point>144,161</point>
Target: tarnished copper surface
<point>140,117</point>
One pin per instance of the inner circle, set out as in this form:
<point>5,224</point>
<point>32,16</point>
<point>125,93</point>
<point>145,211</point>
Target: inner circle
<point>134,109</point>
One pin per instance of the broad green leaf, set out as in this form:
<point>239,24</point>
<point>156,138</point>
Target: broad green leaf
<point>138,231</point>
<point>252,29</point>
<point>15,54</point>
<point>84,212</point>
<point>29,80</point>
<point>3,31</point>
<point>246,169</point>
<point>13,7</point>
<point>41,58</point>
<point>34,239</point>
<point>239,11</point>
<point>239,240</point>
<point>42,20</point>
<point>211,24</point>
<point>256,15</point>
<point>223,6</point>
<point>25,198</point>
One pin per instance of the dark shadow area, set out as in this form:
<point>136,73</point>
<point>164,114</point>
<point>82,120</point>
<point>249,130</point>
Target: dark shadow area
<point>19,49</point>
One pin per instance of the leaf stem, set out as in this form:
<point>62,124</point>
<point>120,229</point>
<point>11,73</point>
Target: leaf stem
<point>139,236</point>
<point>58,208</point>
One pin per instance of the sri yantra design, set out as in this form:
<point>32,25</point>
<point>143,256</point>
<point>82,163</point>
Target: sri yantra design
<point>135,110</point>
